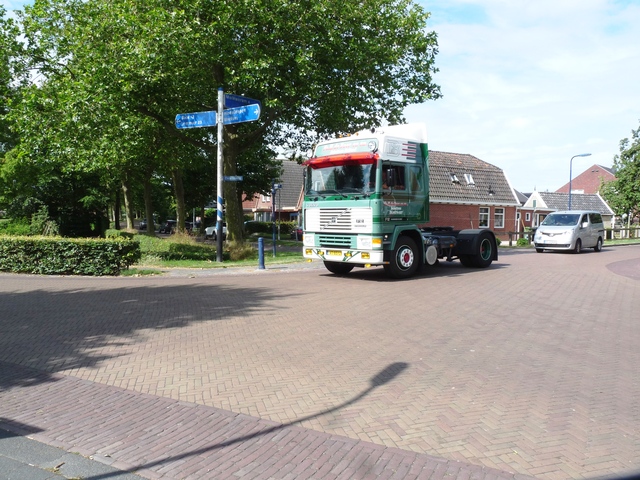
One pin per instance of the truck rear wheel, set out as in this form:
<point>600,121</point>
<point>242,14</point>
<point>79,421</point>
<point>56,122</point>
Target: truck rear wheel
<point>467,261</point>
<point>484,255</point>
<point>404,261</point>
<point>338,268</point>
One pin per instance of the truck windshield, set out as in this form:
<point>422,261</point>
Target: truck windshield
<point>561,220</point>
<point>341,179</point>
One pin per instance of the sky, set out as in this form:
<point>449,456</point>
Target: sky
<point>529,84</point>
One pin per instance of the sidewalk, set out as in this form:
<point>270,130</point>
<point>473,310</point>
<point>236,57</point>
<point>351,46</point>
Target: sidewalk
<point>22,458</point>
<point>128,432</point>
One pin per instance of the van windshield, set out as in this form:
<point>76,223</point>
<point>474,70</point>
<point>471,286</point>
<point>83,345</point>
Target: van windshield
<point>561,220</point>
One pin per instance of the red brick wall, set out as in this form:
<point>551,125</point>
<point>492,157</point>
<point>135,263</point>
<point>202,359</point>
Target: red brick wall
<point>468,216</point>
<point>589,180</point>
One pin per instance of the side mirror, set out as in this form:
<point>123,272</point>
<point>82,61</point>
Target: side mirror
<point>584,224</point>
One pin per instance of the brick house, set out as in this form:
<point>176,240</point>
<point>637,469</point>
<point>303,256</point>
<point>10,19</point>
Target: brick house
<point>589,181</point>
<point>466,192</point>
<point>288,197</point>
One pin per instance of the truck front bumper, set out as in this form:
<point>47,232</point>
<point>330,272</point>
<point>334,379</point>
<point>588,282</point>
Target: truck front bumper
<point>361,257</point>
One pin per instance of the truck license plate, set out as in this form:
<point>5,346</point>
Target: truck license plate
<point>335,253</point>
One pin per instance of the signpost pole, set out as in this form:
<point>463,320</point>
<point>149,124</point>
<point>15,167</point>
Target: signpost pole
<point>219,188</point>
<point>243,109</point>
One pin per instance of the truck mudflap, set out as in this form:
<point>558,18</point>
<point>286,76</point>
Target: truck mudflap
<point>476,247</point>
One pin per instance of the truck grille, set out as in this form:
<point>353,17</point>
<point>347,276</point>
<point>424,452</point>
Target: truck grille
<point>335,219</point>
<point>335,241</point>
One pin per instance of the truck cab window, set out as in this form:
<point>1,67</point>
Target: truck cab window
<point>393,177</point>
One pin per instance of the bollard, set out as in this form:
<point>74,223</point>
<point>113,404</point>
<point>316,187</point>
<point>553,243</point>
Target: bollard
<point>260,253</point>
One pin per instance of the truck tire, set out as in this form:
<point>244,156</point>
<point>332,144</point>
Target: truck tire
<point>483,257</point>
<point>338,268</point>
<point>467,261</point>
<point>405,259</point>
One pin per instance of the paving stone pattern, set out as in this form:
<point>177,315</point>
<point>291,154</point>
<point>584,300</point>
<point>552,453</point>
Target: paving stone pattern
<point>528,368</point>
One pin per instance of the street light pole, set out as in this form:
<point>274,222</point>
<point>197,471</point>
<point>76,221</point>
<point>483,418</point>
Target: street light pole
<point>571,174</point>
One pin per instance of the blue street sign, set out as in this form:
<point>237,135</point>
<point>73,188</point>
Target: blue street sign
<point>232,101</point>
<point>247,113</point>
<point>196,120</point>
<point>233,178</point>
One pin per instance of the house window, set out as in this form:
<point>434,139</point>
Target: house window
<point>484,217</point>
<point>469,179</point>
<point>527,217</point>
<point>498,219</point>
<point>454,178</point>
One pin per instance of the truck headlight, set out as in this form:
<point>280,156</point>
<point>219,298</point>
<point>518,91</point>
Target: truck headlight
<point>364,242</point>
<point>309,239</point>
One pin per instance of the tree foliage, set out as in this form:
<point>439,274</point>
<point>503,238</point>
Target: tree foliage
<point>106,68</point>
<point>623,194</point>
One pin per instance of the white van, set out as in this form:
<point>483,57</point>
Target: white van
<point>570,230</point>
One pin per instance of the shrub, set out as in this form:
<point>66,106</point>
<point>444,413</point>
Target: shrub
<point>522,242</point>
<point>67,256</point>
<point>15,227</point>
<point>176,247</point>
<point>42,224</point>
<point>257,227</point>
<point>241,251</point>
<point>113,233</point>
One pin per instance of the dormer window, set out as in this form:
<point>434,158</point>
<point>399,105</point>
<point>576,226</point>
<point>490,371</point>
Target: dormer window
<point>454,178</point>
<point>469,179</point>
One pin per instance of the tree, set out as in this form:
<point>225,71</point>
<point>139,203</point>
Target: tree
<point>8,87</point>
<point>319,67</point>
<point>623,193</point>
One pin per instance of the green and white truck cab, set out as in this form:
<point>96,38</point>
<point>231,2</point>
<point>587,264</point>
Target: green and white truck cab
<point>365,196</point>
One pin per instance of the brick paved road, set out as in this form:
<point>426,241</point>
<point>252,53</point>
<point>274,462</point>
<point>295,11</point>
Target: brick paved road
<point>527,367</point>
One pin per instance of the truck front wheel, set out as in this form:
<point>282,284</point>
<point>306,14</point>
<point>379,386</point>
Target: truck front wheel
<point>405,259</point>
<point>338,268</point>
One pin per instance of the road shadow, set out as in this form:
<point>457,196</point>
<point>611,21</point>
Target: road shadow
<point>441,269</point>
<point>53,330</point>
<point>386,375</point>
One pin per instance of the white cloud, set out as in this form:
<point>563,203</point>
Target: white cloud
<point>527,85</point>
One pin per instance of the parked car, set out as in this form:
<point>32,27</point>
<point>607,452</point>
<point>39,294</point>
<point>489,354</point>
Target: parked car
<point>168,227</point>
<point>570,230</point>
<point>211,232</point>
<point>296,233</point>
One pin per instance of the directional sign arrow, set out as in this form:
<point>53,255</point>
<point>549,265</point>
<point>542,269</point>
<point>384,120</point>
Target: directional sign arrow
<point>247,113</point>
<point>196,120</point>
<point>232,101</point>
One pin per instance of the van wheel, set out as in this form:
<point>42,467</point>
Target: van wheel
<point>404,261</point>
<point>578,247</point>
<point>539,250</point>
<point>598,247</point>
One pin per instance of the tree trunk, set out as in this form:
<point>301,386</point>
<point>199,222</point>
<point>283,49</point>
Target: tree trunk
<point>148,202</point>
<point>116,211</point>
<point>128,202</point>
<point>233,207</point>
<point>178,189</point>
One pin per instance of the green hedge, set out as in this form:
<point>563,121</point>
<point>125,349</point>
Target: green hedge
<point>267,227</point>
<point>172,249</point>
<point>67,256</point>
